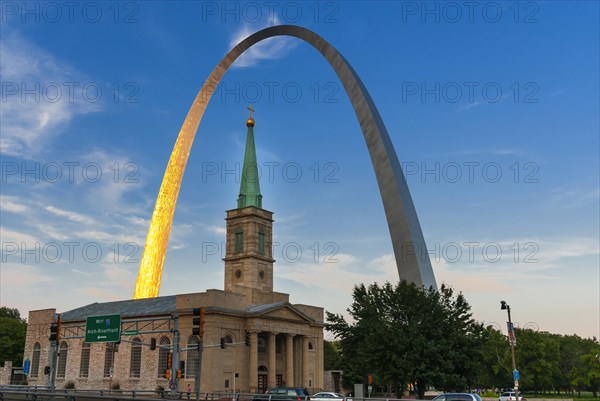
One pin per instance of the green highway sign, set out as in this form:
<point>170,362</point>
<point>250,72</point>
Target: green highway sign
<point>100,329</point>
<point>131,332</point>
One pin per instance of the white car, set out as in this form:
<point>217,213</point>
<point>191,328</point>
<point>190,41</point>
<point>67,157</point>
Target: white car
<point>509,396</point>
<point>328,396</point>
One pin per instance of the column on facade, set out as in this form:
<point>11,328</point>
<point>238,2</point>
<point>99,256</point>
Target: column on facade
<point>289,360</point>
<point>253,363</point>
<point>272,370</point>
<point>305,362</point>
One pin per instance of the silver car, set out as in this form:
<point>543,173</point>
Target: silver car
<point>458,397</point>
<point>329,396</point>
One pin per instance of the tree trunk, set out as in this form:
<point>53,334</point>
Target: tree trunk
<point>420,389</point>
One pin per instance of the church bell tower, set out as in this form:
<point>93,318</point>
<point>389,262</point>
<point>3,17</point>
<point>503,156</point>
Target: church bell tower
<point>248,249</point>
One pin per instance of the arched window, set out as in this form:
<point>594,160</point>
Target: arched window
<point>239,240</point>
<point>163,357</point>
<point>135,365</point>
<point>84,365</point>
<point>109,357</point>
<point>191,359</point>
<point>63,351</point>
<point>35,360</point>
<point>311,346</point>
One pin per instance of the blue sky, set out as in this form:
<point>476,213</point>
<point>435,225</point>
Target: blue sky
<point>492,109</point>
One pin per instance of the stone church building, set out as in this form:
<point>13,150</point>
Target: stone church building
<point>285,340</point>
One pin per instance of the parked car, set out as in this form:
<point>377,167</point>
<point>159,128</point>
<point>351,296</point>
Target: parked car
<point>329,396</point>
<point>283,393</point>
<point>509,396</point>
<point>457,397</point>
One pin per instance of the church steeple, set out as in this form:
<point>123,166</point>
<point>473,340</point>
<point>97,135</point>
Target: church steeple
<point>249,244</point>
<point>250,185</point>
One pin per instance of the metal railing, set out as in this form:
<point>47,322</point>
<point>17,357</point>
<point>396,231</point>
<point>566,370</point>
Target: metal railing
<point>44,393</point>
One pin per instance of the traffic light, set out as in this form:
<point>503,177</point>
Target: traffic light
<point>198,322</point>
<point>179,374</point>
<point>247,339</point>
<point>55,330</point>
<point>222,342</point>
<point>152,344</point>
<point>168,374</point>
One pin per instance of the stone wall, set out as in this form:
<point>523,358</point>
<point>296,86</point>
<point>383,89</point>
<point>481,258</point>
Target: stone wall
<point>5,373</point>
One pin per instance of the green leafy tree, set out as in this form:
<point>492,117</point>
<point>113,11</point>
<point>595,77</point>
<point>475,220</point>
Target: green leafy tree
<point>13,330</point>
<point>587,376</point>
<point>537,356</point>
<point>331,355</point>
<point>404,334</point>
<point>496,360</point>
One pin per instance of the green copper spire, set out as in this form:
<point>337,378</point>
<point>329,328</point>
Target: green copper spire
<point>250,185</point>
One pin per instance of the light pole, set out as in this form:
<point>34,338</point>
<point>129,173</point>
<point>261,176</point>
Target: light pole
<point>512,340</point>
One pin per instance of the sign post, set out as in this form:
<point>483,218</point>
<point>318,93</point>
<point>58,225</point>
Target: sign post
<point>103,329</point>
<point>26,366</point>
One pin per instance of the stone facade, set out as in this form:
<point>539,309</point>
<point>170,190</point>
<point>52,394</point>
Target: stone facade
<point>286,345</point>
<point>285,340</point>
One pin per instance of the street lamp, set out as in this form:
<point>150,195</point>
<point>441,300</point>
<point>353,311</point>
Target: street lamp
<point>512,340</point>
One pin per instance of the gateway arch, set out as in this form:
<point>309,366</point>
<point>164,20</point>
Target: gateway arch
<point>408,243</point>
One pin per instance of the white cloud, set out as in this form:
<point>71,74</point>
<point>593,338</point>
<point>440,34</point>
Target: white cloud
<point>219,230</point>
<point>81,272</point>
<point>571,198</point>
<point>28,120</point>
<point>73,216</point>
<point>268,49</point>
<point>22,275</point>
<point>9,236</point>
<point>12,204</point>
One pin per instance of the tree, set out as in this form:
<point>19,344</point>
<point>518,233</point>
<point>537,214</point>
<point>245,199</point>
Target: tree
<point>331,355</point>
<point>13,330</point>
<point>405,334</point>
<point>537,356</point>
<point>496,369</point>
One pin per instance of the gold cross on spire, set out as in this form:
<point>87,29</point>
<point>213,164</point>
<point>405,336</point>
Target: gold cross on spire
<point>251,110</point>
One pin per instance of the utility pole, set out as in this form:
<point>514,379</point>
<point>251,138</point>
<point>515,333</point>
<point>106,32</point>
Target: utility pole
<point>52,357</point>
<point>198,369</point>
<point>54,341</point>
<point>198,330</point>
<point>512,341</point>
<point>174,382</point>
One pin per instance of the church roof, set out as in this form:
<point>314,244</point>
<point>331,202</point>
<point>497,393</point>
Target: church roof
<point>250,184</point>
<point>128,308</point>
<point>265,307</point>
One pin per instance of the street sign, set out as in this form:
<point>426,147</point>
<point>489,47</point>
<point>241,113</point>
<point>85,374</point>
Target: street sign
<point>131,332</point>
<point>516,375</point>
<point>26,366</point>
<point>100,329</point>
